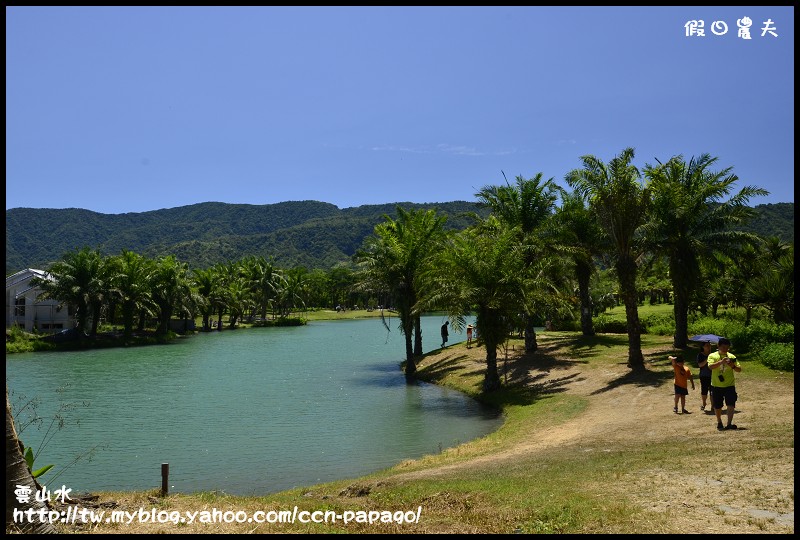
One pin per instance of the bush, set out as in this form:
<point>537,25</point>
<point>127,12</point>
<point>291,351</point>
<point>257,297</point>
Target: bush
<point>659,325</point>
<point>779,356</point>
<point>282,321</point>
<point>604,324</point>
<point>743,338</point>
<point>569,326</point>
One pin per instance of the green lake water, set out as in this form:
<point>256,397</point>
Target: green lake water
<point>245,412</point>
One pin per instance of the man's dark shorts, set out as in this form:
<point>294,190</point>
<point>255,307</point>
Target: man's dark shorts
<point>680,390</point>
<point>705,385</point>
<point>728,394</point>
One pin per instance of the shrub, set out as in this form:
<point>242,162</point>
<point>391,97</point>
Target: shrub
<point>753,337</point>
<point>778,356</point>
<point>660,325</point>
<point>604,324</point>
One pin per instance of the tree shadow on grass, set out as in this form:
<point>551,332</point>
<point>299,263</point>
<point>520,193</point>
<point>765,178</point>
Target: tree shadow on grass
<point>529,377</point>
<point>525,377</point>
<point>651,375</point>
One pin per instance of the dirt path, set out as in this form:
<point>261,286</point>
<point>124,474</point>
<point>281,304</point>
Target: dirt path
<point>736,493</point>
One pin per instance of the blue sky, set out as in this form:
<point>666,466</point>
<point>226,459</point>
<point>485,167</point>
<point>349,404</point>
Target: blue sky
<point>130,109</point>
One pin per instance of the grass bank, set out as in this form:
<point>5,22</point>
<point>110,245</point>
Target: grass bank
<point>587,446</point>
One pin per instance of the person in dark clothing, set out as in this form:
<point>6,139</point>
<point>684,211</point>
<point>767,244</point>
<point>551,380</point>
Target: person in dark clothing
<point>445,334</point>
<point>705,372</point>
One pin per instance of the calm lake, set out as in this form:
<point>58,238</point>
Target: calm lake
<point>246,411</point>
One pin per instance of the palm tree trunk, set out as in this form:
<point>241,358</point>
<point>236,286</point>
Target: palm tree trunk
<point>626,270</point>
<point>681,313</point>
<point>584,272</point>
<point>417,336</point>
<point>408,324</point>
<point>127,318</point>
<point>491,381</point>
<point>411,366</point>
<point>96,306</point>
<point>18,474</point>
<point>530,335</point>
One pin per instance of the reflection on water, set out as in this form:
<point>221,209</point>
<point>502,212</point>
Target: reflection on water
<point>245,412</point>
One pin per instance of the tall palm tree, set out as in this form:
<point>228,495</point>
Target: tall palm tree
<point>79,281</point>
<point>291,294</point>
<point>392,260</point>
<point>265,281</point>
<point>620,202</point>
<point>482,269</point>
<point>170,290</point>
<point>203,283</point>
<point>577,228</point>
<point>131,282</point>
<point>526,206</point>
<point>688,219</point>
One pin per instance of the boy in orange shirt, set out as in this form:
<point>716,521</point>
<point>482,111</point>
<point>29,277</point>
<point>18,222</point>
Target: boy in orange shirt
<point>683,375</point>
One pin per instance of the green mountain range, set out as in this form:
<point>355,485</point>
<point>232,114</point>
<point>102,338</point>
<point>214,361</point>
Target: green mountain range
<point>296,233</point>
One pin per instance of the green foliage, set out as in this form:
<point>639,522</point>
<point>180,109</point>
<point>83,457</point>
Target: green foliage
<point>658,324</point>
<point>778,356</point>
<point>773,220</point>
<point>19,341</point>
<point>281,321</point>
<point>29,460</point>
<point>744,338</point>
<point>605,324</point>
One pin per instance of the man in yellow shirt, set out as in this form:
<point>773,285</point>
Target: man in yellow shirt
<point>723,381</point>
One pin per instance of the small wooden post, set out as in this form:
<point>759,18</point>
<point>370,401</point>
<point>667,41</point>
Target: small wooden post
<point>164,479</point>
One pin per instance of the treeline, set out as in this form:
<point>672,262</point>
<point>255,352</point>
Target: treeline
<point>131,290</point>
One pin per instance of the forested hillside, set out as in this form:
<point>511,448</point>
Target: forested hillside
<point>774,220</point>
<point>297,233</point>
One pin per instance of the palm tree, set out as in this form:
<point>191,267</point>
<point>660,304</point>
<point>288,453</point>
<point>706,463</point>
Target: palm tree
<point>525,206</point>
<point>131,282</point>
<point>578,229</point>
<point>78,280</point>
<point>203,282</point>
<point>774,287</point>
<point>265,280</point>
<point>688,220</point>
<point>169,289</point>
<point>620,202</point>
<point>392,261</point>
<point>291,294</point>
<point>482,269</point>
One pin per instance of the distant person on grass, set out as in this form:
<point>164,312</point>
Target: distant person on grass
<point>445,334</point>
<point>723,382</point>
<point>705,372</point>
<point>682,377</point>
<point>469,336</point>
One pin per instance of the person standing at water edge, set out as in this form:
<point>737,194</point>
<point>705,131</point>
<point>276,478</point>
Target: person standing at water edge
<point>705,372</point>
<point>682,377</point>
<point>445,334</point>
<point>469,336</point>
<point>723,381</point>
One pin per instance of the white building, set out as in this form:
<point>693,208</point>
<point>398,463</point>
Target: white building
<point>25,310</point>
